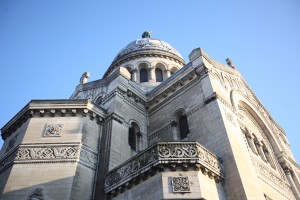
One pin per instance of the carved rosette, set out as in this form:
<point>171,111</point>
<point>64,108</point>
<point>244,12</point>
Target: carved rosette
<point>53,130</point>
<point>181,184</point>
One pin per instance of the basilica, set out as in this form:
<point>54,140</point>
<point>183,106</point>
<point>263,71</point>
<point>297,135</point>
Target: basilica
<point>154,127</point>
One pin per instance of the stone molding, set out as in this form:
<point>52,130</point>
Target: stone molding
<point>53,108</point>
<point>175,155</point>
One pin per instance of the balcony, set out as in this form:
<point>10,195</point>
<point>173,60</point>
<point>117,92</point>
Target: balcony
<point>173,155</point>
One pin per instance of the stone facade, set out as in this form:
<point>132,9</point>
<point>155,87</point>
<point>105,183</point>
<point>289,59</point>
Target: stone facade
<point>154,127</point>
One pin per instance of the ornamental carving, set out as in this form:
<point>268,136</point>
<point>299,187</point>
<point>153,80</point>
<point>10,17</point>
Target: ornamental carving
<point>88,157</point>
<point>232,82</point>
<point>177,151</point>
<point>165,153</point>
<point>181,184</point>
<point>272,177</point>
<point>33,153</point>
<point>53,130</point>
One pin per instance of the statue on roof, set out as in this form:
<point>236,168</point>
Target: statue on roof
<point>147,34</point>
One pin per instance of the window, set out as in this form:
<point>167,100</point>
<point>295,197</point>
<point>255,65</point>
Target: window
<point>183,127</point>
<point>99,100</point>
<point>143,75</point>
<point>135,137</point>
<point>158,75</point>
<point>132,138</point>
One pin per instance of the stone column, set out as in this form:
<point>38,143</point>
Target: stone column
<point>287,171</point>
<point>134,75</point>
<point>268,156</point>
<point>168,73</point>
<point>251,143</point>
<point>175,131</point>
<point>260,151</point>
<point>151,74</point>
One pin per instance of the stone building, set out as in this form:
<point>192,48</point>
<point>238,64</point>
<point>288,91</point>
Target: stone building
<point>154,127</point>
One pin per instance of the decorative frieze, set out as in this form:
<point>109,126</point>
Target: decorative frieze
<point>174,155</point>
<point>267,173</point>
<point>45,153</point>
<point>53,130</point>
<point>181,184</point>
<point>88,157</point>
<point>50,153</point>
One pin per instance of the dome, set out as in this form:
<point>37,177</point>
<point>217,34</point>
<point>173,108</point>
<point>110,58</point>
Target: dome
<point>145,44</point>
<point>145,47</point>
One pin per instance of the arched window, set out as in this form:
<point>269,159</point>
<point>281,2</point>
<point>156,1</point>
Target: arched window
<point>183,127</point>
<point>180,126</point>
<point>132,138</point>
<point>135,137</point>
<point>99,100</point>
<point>143,75</point>
<point>158,75</point>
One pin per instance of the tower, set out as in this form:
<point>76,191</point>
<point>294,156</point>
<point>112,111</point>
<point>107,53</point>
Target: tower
<point>154,127</point>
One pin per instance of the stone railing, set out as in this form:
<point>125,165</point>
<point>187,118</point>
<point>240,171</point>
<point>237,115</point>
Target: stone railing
<point>188,155</point>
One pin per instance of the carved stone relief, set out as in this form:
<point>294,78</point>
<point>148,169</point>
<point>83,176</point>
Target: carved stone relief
<point>271,176</point>
<point>181,184</point>
<point>33,153</point>
<point>53,130</point>
<point>88,157</point>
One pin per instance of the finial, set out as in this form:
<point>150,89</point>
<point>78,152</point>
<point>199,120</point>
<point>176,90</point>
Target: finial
<point>147,34</point>
<point>84,77</point>
<point>230,63</point>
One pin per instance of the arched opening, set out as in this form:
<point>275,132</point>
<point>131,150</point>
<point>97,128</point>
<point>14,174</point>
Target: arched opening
<point>135,137</point>
<point>143,75</point>
<point>99,100</point>
<point>158,75</point>
<point>180,126</point>
<point>183,127</point>
<point>244,106</point>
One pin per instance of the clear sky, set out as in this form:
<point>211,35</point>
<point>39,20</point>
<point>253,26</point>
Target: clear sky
<point>45,46</point>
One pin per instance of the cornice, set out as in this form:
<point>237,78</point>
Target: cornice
<point>53,108</point>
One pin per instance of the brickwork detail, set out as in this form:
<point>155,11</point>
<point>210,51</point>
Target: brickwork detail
<point>181,184</point>
<point>53,130</point>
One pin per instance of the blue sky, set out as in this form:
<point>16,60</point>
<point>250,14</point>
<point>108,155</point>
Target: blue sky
<point>45,46</point>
